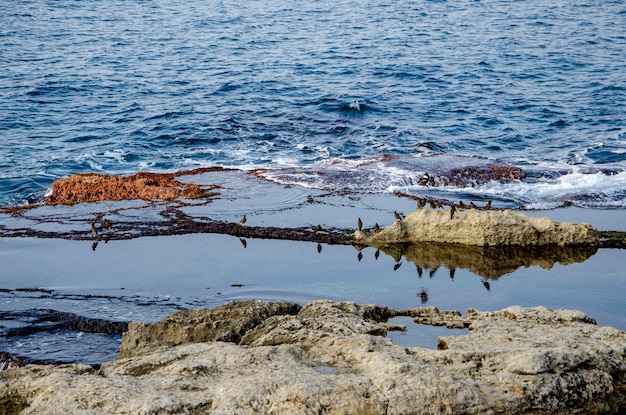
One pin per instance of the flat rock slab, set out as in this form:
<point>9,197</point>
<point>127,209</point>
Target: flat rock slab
<point>482,228</point>
<point>334,358</point>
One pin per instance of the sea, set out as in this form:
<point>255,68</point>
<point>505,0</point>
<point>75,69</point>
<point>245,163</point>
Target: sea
<point>343,102</point>
<point>120,87</point>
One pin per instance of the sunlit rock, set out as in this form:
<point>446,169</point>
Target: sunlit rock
<point>333,358</point>
<point>94,187</point>
<point>482,228</point>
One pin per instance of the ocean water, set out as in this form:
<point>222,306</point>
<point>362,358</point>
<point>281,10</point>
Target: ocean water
<point>119,87</point>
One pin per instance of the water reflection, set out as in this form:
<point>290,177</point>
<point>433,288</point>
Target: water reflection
<point>488,262</point>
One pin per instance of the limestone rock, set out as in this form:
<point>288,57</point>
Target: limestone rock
<point>333,358</point>
<point>482,228</point>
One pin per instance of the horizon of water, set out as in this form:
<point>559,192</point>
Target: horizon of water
<point>117,87</point>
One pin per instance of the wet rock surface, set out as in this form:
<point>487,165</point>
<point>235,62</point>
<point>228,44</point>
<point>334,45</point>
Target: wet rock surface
<point>328,357</point>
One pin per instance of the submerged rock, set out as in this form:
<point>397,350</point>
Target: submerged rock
<point>333,358</point>
<point>482,228</point>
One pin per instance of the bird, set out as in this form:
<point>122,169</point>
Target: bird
<point>359,224</point>
<point>452,271</point>
<point>243,242</point>
<point>397,216</point>
<point>318,228</point>
<point>488,205</point>
<point>472,205</point>
<point>395,267</point>
<point>319,248</point>
<point>243,220</point>
<point>486,284</point>
<point>94,231</point>
<point>433,205</point>
<point>421,204</point>
<point>376,227</point>
<point>452,210</point>
<point>107,224</point>
<point>433,271</point>
<point>424,180</point>
<point>377,254</point>
<point>420,271</point>
<point>461,205</point>
<point>94,246</point>
<point>423,295</point>
<point>360,256</point>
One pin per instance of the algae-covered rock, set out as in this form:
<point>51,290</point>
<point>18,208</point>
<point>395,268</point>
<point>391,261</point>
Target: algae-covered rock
<point>333,358</point>
<point>482,228</point>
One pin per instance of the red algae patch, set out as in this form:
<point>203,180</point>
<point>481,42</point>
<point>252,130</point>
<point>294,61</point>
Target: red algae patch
<point>94,187</point>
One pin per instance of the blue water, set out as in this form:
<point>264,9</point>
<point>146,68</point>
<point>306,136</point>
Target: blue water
<point>118,87</point>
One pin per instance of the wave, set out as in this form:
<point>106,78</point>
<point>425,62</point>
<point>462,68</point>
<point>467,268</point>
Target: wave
<point>458,177</point>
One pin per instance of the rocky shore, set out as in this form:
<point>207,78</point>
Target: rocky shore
<point>326,357</point>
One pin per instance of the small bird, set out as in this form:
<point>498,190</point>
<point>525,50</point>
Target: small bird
<point>423,295</point>
<point>94,246</point>
<point>107,224</point>
<point>421,204</point>
<point>433,271</point>
<point>433,205</point>
<point>94,231</point>
<point>397,216</point>
<point>472,205</point>
<point>452,271</point>
<point>486,284</point>
<point>318,228</point>
<point>488,205</point>
<point>461,205</point>
<point>395,267</point>
<point>377,254</point>
<point>376,227</point>
<point>243,220</point>
<point>420,271</point>
<point>243,242</point>
<point>360,256</point>
<point>452,210</point>
<point>424,180</point>
<point>319,248</point>
<point>359,224</point>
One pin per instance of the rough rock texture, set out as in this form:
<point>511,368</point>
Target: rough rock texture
<point>482,228</point>
<point>94,187</point>
<point>332,358</point>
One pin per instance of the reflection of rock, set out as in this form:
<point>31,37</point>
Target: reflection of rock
<point>482,228</point>
<point>332,358</point>
<point>94,187</point>
<point>488,261</point>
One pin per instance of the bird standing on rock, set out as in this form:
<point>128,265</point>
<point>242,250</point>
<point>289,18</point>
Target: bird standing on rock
<point>94,231</point>
<point>421,204</point>
<point>243,220</point>
<point>397,216</point>
<point>488,205</point>
<point>452,210</point>
<point>376,227</point>
<point>424,180</point>
<point>359,224</point>
<point>107,224</point>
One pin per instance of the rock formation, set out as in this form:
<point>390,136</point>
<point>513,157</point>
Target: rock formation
<point>333,358</point>
<point>482,228</point>
<point>94,187</point>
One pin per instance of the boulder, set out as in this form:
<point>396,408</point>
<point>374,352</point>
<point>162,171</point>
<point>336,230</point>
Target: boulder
<point>334,358</point>
<point>482,228</point>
